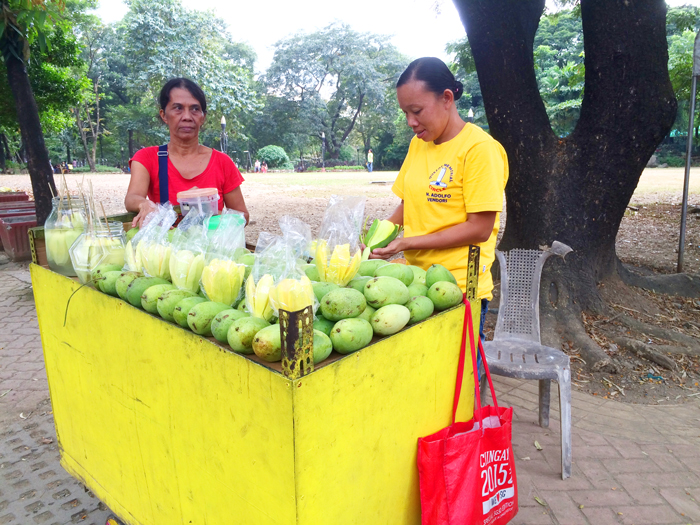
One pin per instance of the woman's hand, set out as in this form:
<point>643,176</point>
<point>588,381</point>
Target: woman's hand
<point>394,247</point>
<point>145,208</point>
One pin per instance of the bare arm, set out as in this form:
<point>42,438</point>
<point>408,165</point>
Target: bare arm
<point>234,201</point>
<point>397,216</point>
<point>476,229</point>
<point>135,199</point>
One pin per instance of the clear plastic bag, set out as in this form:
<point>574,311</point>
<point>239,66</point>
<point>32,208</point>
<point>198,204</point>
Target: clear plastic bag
<point>189,248</point>
<point>153,243</point>
<point>162,218</point>
<point>222,277</point>
<point>337,249</point>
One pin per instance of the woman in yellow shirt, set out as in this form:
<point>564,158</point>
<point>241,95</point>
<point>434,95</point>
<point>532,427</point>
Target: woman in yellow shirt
<point>451,183</point>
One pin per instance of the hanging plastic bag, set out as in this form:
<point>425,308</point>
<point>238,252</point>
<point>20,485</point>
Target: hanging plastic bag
<point>337,251</point>
<point>222,277</point>
<point>189,248</point>
<point>149,250</point>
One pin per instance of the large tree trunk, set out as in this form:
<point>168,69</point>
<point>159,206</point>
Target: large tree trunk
<point>83,136</point>
<point>574,189</point>
<point>38,163</point>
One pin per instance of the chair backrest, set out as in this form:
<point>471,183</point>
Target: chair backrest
<point>519,310</point>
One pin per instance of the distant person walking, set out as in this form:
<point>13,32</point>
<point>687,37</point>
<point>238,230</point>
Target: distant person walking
<point>370,160</point>
<point>257,166</point>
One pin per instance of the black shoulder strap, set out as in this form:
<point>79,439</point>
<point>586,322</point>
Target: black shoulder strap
<point>163,173</point>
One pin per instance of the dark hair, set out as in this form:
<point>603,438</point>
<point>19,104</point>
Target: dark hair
<point>436,75</point>
<point>183,83</point>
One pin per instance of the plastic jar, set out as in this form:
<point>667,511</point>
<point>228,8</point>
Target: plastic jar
<point>206,200</point>
<point>63,226</point>
<point>102,249</point>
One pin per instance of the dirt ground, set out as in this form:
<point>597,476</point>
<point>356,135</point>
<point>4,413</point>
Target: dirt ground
<point>648,238</point>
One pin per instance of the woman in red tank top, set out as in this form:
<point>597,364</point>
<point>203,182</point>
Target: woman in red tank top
<point>190,164</point>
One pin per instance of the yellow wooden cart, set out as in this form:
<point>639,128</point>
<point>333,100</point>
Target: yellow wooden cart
<point>165,426</point>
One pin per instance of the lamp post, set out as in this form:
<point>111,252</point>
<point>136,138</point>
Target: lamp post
<point>357,150</point>
<point>470,116</point>
<point>122,157</point>
<point>323,151</point>
<point>689,148</point>
<point>224,142</point>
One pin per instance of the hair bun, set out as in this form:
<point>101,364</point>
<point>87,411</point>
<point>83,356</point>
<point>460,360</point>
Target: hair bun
<point>458,90</point>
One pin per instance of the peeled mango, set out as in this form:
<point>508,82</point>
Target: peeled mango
<point>123,282</point>
<point>437,273</point>
<point>418,274</point>
<point>182,309</point>
<point>149,298</point>
<point>349,335</point>
<point>420,308</point>
<point>166,303</point>
<point>292,295</point>
<point>359,282</point>
<point>140,285</point>
<point>321,289</point>
<point>342,303</point>
<point>381,291</point>
<point>223,321</point>
<point>339,267</point>
<point>222,281</point>
<point>186,269</point>
<point>398,271</point>
<point>323,325</point>
<point>155,258</point>
<point>367,268</point>
<point>108,282</point>
<point>445,295</point>
<point>390,319</point>
<point>367,313</point>
<point>242,332</point>
<point>417,289</point>
<point>378,235</point>
<point>201,315</point>
<point>257,297</point>
<point>267,344</point>
<point>322,346</point>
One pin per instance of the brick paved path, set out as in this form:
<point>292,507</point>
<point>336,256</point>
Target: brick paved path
<point>632,464</point>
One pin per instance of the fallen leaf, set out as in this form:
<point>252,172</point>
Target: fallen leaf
<point>538,500</point>
<point>538,446</point>
<point>46,441</point>
<point>526,458</point>
<point>580,506</point>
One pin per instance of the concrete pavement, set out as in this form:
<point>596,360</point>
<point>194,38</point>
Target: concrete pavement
<point>632,464</point>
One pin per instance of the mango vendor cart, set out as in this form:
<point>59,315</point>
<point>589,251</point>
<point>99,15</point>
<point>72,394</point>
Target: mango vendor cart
<point>165,426</point>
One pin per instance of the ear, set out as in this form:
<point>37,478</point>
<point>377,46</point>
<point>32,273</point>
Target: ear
<point>448,98</point>
<point>162,116</point>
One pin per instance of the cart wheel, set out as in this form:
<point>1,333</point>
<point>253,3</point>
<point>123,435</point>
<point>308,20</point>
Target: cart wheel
<point>112,520</point>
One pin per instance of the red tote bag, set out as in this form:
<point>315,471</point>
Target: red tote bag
<point>467,470</point>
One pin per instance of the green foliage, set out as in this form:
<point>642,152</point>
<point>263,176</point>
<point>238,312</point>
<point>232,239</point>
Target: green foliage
<point>326,80</point>
<point>99,168</point>
<point>275,157</point>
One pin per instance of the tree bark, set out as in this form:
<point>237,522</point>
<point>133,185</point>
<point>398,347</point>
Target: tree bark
<point>573,189</point>
<point>2,153</point>
<point>83,137</point>
<point>38,163</point>
<point>131,143</point>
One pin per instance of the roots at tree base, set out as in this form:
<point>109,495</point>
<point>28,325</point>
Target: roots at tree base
<point>566,294</point>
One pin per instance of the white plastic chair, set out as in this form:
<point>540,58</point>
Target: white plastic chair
<point>516,350</point>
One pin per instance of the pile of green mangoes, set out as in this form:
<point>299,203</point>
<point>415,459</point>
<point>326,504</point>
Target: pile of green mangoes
<point>380,301</point>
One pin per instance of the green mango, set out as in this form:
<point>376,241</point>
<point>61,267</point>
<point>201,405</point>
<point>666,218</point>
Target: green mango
<point>321,289</point>
<point>322,346</point>
<point>242,332</point>
<point>437,273</point>
<point>149,299</point>
<point>267,344</point>
<point>390,319</point>
<point>444,295</point>
<point>166,303</point>
<point>342,303</point>
<point>201,315</point>
<point>349,335</point>
<point>123,282</point>
<point>223,321</point>
<point>385,290</point>
<point>140,285</point>
<point>398,271</point>
<point>108,282</point>
<point>311,271</point>
<point>182,309</point>
<point>323,325</point>
<point>420,308</point>
<point>417,289</point>
<point>359,282</point>
<point>368,268</point>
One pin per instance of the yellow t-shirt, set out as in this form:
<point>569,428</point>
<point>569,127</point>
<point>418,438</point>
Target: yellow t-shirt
<point>440,184</point>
